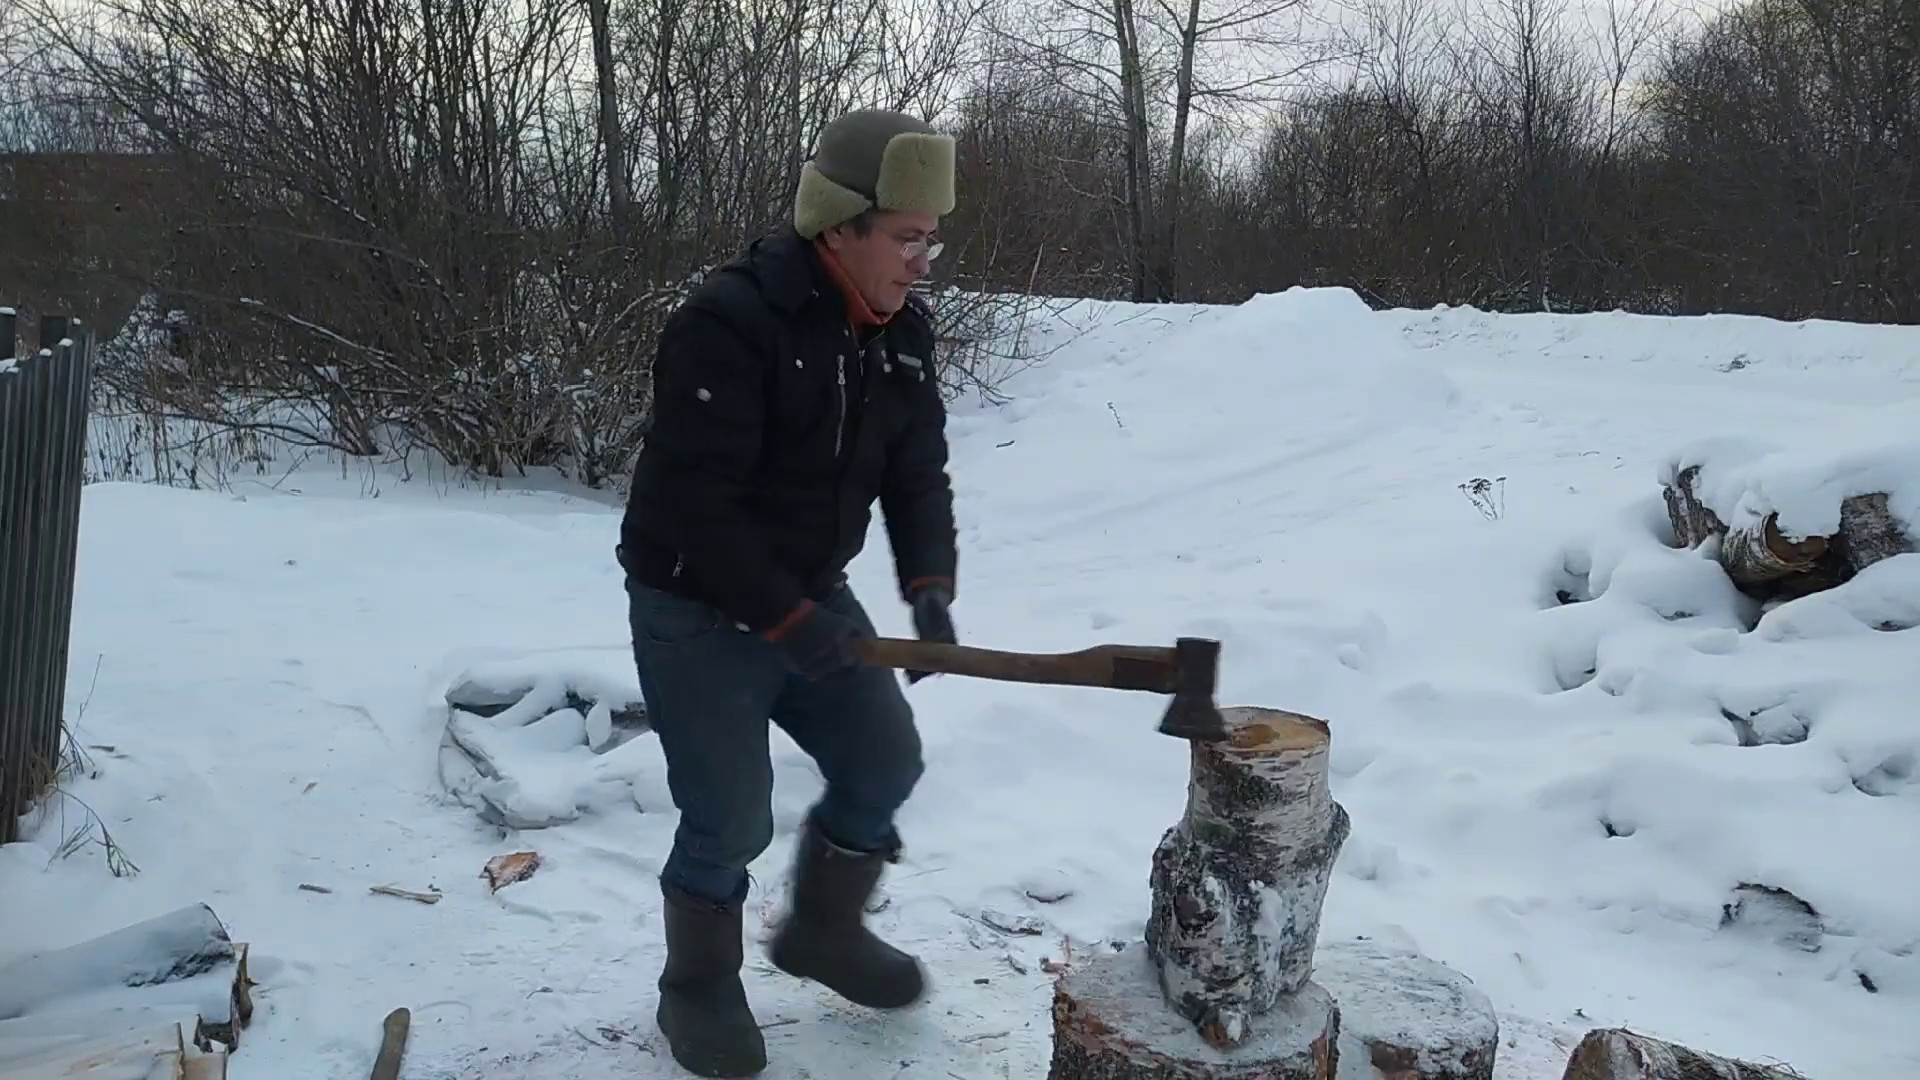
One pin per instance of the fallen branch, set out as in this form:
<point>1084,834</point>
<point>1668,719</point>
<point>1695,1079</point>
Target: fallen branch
<point>405,894</point>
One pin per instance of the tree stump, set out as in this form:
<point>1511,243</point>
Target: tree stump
<point>1619,1054</point>
<point>1111,1021</point>
<point>1238,882</point>
<point>1418,1018</point>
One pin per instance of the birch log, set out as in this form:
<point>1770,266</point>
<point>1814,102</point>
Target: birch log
<point>1112,1022</point>
<point>1238,882</point>
<point>1764,562</point>
<point>1753,554</point>
<point>1619,1054</point>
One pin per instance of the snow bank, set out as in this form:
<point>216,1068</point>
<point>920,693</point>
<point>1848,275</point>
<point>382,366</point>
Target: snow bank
<point>1157,407</point>
<point>1674,349</point>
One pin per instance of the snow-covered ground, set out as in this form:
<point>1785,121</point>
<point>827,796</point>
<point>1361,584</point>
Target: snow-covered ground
<point>1548,796</point>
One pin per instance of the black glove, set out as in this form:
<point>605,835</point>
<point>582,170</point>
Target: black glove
<point>932,620</point>
<point>820,644</point>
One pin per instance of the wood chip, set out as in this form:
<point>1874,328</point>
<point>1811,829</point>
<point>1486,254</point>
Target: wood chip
<point>1019,925</point>
<point>406,894</point>
<point>504,870</point>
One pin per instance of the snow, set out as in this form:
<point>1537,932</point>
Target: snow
<point>1560,799</point>
<point>175,946</point>
<point>1424,1014</point>
<point>1743,479</point>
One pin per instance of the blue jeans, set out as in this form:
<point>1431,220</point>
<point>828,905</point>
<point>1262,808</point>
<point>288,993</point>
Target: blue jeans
<point>711,690</point>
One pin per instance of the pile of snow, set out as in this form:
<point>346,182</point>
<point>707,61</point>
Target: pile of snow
<point>1582,770</point>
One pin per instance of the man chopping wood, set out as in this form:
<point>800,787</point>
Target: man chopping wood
<point>793,390</point>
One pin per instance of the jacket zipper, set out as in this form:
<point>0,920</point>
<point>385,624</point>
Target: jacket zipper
<point>840,419</point>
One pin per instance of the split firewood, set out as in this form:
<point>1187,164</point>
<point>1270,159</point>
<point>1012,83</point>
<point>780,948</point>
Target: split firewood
<point>1237,884</point>
<point>35,1033</point>
<point>393,1045</point>
<point>111,1054</point>
<point>1112,1021</point>
<point>205,1066</point>
<point>405,894</point>
<point>504,870</point>
<point>1619,1054</point>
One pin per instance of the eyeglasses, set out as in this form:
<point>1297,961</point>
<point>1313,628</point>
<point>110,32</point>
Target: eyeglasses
<point>911,249</point>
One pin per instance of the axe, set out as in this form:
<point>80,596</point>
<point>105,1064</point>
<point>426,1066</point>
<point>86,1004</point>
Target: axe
<point>1188,671</point>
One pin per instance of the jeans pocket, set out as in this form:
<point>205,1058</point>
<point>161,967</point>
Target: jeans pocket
<point>664,619</point>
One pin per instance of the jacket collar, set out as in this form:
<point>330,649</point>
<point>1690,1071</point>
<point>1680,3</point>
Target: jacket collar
<point>789,271</point>
<point>792,276</point>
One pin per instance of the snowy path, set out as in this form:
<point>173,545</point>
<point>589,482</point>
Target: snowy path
<point>269,670</point>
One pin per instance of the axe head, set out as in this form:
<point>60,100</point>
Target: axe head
<point>1193,714</point>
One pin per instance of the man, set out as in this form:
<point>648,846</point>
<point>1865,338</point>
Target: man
<point>793,390</point>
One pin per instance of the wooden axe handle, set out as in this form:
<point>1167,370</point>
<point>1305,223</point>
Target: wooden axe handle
<point>1115,667</point>
<point>393,1044</point>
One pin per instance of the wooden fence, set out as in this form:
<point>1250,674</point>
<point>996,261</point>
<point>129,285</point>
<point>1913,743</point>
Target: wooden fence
<point>43,434</point>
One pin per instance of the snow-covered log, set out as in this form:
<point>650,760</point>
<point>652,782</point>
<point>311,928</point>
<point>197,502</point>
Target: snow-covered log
<point>1869,532</point>
<point>1416,1018</point>
<point>1238,882</point>
<point>1765,561</point>
<point>181,961</point>
<point>1619,1054</point>
<point>1111,1021</point>
<point>1753,554</point>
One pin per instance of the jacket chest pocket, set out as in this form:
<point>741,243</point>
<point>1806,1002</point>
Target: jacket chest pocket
<point>814,388</point>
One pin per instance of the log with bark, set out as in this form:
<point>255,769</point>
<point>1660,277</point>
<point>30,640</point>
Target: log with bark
<point>1412,1017</point>
<point>1221,988</point>
<point>1112,1021</point>
<point>1619,1054</point>
<point>181,962</point>
<point>1238,882</point>
<point>1764,561</point>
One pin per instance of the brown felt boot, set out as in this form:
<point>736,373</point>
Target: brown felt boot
<point>703,1008</point>
<point>825,937</point>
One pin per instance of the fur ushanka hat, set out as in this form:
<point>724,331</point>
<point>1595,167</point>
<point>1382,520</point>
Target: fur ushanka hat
<point>874,158</point>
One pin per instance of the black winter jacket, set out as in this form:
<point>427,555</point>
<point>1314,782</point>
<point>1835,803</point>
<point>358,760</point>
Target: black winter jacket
<point>773,432</point>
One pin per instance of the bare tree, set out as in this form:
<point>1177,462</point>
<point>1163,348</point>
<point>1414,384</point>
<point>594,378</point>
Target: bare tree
<point>457,224</point>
